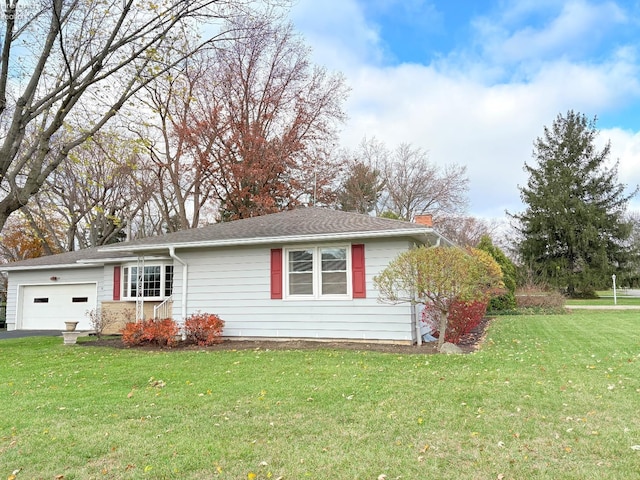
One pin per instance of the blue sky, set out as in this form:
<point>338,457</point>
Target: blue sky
<point>475,82</point>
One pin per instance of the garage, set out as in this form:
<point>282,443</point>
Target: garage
<point>47,307</point>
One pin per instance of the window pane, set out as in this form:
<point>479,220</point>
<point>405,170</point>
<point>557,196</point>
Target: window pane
<point>125,282</point>
<point>334,259</point>
<point>301,261</point>
<point>134,281</point>
<point>334,271</point>
<point>168,280</point>
<point>301,272</point>
<point>334,283</point>
<point>151,281</point>
<point>301,284</point>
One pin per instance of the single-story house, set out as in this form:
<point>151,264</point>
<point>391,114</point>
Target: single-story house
<point>305,273</point>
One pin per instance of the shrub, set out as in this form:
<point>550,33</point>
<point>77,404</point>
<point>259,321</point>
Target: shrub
<point>501,303</point>
<point>100,320</point>
<point>463,318</point>
<point>203,329</point>
<point>150,332</point>
<point>540,300</point>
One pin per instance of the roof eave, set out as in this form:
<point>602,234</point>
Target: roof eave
<point>414,233</point>
<point>49,266</point>
<point>130,258</point>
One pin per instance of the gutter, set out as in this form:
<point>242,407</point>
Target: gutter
<point>185,271</point>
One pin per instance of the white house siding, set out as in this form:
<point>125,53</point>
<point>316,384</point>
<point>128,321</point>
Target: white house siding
<point>19,280</point>
<point>106,292</point>
<point>234,283</point>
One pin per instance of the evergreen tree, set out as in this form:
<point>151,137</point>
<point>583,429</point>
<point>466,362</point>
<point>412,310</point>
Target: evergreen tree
<point>506,301</point>
<point>361,190</point>
<point>573,229</point>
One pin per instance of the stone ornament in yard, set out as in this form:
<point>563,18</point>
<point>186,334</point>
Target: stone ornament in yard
<point>70,335</point>
<point>70,326</point>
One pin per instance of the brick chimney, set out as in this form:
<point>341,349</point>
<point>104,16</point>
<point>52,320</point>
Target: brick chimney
<point>426,220</point>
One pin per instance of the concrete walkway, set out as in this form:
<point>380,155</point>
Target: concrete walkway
<point>602,307</point>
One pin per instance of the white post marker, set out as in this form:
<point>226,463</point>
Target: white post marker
<point>615,299</point>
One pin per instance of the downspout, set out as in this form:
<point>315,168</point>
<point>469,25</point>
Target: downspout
<point>415,322</point>
<point>185,271</point>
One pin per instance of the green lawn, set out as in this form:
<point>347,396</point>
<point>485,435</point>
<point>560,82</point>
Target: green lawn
<point>555,397</point>
<point>620,300</point>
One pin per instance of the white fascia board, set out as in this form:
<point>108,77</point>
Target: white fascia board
<point>45,267</point>
<point>131,258</point>
<point>281,240</point>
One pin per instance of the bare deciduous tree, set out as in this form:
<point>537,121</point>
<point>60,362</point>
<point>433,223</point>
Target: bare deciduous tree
<point>465,231</point>
<point>412,185</point>
<point>68,67</point>
<point>415,186</point>
<point>95,191</point>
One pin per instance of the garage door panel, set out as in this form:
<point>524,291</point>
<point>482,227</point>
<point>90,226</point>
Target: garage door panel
<point>47,307</point>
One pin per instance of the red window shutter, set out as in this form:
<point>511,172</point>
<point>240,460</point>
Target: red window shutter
<point>359,282</point>
<point>116,282</point>
<point>276,273</point>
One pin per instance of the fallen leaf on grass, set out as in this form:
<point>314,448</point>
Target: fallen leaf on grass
<point>155,383</point>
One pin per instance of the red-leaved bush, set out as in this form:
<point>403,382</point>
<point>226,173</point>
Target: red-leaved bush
<point>150,332</point>
<point>203,329</point>
<point>463,317</point>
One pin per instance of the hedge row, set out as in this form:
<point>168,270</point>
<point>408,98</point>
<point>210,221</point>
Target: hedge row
<point>199,329</point>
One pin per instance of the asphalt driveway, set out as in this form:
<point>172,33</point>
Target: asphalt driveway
<point>4,334</point>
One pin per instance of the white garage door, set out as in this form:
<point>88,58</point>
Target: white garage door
<point>47,307</point>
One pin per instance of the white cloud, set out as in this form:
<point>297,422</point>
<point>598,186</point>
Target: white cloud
<point>625,148</point>
<point>338,32</point>
<point>575,27</point>
<point>454,110</point>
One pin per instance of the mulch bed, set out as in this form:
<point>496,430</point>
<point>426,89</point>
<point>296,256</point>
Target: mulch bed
<point>469,343</point>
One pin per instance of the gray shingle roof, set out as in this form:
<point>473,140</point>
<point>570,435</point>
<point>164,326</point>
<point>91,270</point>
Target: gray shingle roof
<point>302,222</point>
<point>67,258</point>
<point>295,225</point>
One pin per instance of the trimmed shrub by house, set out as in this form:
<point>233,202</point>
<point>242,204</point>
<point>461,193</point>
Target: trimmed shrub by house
<point>203,329</point>
<point>162,333</point>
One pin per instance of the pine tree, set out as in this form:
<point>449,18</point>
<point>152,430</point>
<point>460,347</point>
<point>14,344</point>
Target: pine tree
<point>573,228</point>
<point>361,189</point>
<point>506,301</point>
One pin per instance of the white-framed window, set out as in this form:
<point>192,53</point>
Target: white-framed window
<point>157,281</point>
<point>318,272</point>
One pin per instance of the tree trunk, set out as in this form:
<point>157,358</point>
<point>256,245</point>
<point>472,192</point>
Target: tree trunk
<point>443,328</point>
